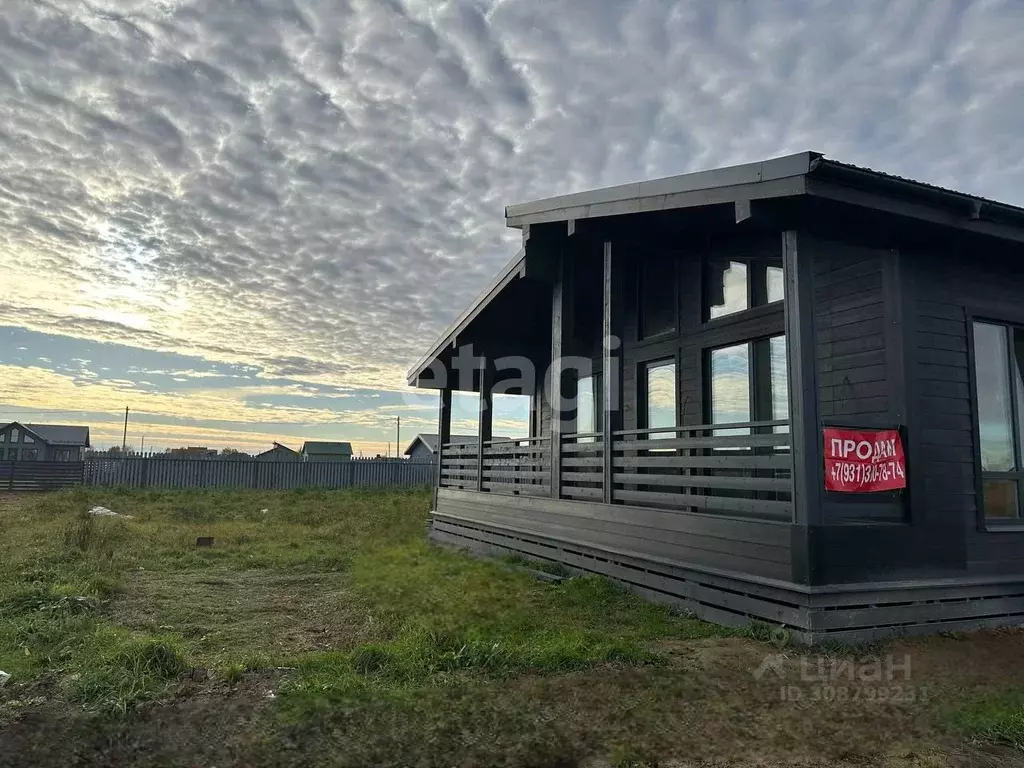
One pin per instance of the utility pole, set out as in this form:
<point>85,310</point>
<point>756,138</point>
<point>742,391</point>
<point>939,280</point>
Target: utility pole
<point>143,450</point>
<point>124,440</point>
<point>398,435</point>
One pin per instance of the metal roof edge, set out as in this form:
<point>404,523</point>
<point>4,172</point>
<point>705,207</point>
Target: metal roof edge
<point>781,167</point>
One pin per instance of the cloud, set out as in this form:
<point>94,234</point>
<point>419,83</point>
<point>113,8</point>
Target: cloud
<point>316,188</point>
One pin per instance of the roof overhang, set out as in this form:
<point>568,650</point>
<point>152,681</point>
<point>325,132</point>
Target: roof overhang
<point>779,177</point>
<point>514,270</point>
<point>807,174</point>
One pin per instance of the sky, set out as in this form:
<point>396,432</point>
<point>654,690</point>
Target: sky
<point>246,220</point>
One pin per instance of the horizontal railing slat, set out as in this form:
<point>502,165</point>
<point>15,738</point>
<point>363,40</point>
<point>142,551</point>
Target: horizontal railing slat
<point>703,428</point>
<point>772,509</point>
<point>707,481</point>
<point>687,443</point>
<point>742,461</point>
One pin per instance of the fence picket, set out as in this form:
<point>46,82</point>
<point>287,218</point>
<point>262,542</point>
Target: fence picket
<point>158,472</point>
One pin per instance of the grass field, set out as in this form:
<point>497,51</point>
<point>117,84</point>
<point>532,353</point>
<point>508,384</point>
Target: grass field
<point>321,629</point>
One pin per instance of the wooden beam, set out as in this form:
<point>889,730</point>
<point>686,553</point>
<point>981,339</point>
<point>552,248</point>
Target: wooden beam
<point>611,370</point>
<point>486,418</point>
<point>559,348</point>
<point>444,432</point>
<point>963,220</point>
<point>805,424</point>
<point>742,210</point>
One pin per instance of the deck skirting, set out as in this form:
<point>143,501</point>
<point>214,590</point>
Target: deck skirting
<point>845,613</point>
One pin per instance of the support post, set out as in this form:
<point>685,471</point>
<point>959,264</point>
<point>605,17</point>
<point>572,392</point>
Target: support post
<point>804,421</point>
<point>485,420</point>
<point>444,433</point>
<point>559,343</point>
<point>611,372</point>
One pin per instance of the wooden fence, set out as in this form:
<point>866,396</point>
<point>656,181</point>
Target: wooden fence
<point>39,475</point>
<point>141,472</point>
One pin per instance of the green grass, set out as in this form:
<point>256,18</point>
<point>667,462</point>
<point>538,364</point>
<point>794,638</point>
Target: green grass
<point>128,644</point>
<point>996,717</point>
<point>339,586</point>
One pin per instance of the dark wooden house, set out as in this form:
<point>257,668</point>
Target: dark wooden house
<point>705,330</point>
<point>43,442</point>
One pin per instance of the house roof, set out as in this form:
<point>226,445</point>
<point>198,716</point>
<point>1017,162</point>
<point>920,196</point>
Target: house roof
<point>430,440</point>
<point>278,447</point>
<point>322,447</point>
<point>56,434</point>
<point>803,174</point>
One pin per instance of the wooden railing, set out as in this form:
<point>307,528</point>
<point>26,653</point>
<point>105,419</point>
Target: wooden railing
<point>459,465</point>
<point>740,469</point>
<point>743,469</point>
<point>518,466</point>
<point>582,466</point>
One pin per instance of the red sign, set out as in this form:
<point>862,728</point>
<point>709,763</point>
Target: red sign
<point>864,460</point>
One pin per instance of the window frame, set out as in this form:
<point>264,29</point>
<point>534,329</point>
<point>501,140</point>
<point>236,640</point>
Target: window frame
<point>643,409</point>
<point>757,280</point>
<point>759,384</point>
<point>1008,323</point>
<point>597,400</point>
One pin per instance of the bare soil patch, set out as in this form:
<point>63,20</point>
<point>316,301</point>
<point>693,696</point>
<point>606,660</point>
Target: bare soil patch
<point>230,612</point>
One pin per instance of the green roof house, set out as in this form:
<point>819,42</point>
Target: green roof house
<point>326,451</point>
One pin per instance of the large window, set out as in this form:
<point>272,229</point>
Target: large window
<point>660,397</point>
<point>736,285</point>
<point>998,359</point>
<point>748,382</point>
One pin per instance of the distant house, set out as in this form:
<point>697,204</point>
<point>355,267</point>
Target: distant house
<point>326,451</point>
<point>42,442</point>
<point>279,453</point>
<point>424,446</point>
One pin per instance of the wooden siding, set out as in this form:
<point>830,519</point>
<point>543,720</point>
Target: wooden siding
<point>743,546</point>
<point>857,317</point>
<point>943,296</point>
